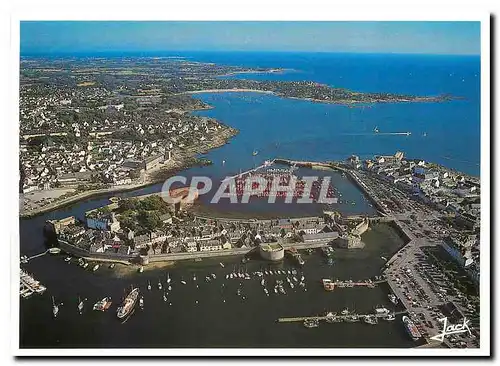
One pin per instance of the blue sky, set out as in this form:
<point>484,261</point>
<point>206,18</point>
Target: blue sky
<point>365,37</point>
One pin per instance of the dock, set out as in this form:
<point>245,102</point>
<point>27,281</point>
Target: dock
<point>340,317</point>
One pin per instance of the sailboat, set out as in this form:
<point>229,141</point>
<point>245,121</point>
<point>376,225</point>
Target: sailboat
<point>55,308</point>
<point>80,305</point>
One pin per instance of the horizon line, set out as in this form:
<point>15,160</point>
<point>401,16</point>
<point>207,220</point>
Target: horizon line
<point>173,52</point>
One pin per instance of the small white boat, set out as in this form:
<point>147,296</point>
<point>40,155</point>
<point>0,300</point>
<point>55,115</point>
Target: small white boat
<point>67,259</point>
<point>266,291</point>
<point>141,302</point>
<point>159,285</point>
<point>227,277</point>
<point>80,305</point>
<point>183,282</point>
<point>55,308</point>
<point>164,297</point>
<point>85,265</point>
<point>112,265</point>
<point>141,269</point>
<point>149,286</point>
<point>213,276</point>
<point>96,267</point>
<point>221,264</point>
<point>169,288</point>
<point>194,277</point>
<point>168,278</point>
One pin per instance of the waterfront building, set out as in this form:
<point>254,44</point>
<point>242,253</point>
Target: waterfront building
<point>210,245</point>
<point>318,237</point>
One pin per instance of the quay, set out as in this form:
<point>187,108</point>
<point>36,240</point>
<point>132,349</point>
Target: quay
<point>341,317</point>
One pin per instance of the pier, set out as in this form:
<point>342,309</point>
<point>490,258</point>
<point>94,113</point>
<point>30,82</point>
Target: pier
<point>267,163</point>
<point>339,317</point>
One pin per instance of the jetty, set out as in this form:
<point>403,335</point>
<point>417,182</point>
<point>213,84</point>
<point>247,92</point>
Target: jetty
<point>337,316</point>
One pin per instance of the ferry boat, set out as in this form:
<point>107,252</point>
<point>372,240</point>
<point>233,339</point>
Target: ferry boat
<point>328,284</point>
<point>103,305</point>
<point>96,267</point>
<point>128,304</point>
<point>411,328</point>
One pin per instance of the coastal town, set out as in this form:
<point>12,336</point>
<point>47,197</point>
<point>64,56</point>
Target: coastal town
<point>89,126</point>
<point>99,126</point>
<point>435,209</point>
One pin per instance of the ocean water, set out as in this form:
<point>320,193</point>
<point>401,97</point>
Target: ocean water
<point>276,127</point>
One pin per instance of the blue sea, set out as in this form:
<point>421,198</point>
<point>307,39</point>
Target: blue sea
<point>447,133</point>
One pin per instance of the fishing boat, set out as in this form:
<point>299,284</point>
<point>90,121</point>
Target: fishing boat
<point>311,323</point>
<point>381,310</point>
<point>103,305</point>
<point>393,299</point>
<point>328,284</point>
<point>371,319</point>
<point>128,305</point>
<point>390,317</point>
<point>96,267</point>
<point>331,317</point>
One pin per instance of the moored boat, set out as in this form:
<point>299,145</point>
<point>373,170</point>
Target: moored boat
<point>411,328</point>
<point>128,304</point>
<point>103,305</point>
